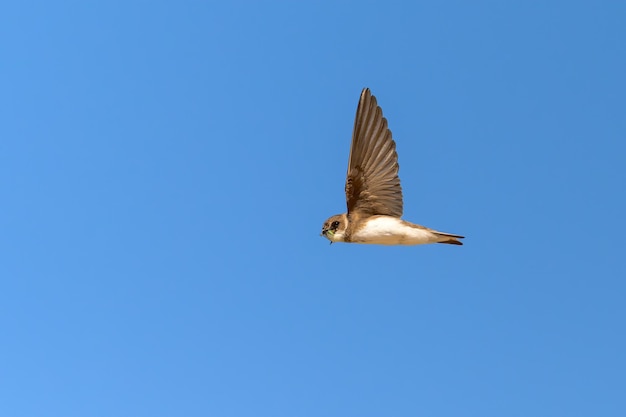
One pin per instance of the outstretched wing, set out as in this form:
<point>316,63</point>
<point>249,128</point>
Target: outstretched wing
<point>372,183</point>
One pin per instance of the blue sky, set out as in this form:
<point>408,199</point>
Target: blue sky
<point>166,167</point>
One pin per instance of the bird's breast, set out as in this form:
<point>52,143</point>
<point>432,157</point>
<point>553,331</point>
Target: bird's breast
<point>387,230</point>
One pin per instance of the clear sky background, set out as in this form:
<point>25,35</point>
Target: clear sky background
<point>166,167</point>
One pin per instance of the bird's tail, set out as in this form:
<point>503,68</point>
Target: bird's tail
<point>449,238</point>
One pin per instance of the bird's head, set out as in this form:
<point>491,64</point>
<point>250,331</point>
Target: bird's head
<point>335,227</point>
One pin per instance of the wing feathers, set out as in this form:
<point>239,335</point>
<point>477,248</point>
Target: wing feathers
<point>372,183</point>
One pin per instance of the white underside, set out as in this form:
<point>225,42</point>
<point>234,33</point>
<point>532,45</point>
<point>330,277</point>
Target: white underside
<point>385,230</point>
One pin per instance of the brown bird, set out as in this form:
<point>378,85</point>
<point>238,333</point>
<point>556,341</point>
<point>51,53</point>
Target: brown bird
<point>373,191</point>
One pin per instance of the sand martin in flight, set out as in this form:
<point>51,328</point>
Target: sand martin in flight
<point>373,191</point>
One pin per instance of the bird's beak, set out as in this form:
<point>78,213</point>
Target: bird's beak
<point>324,232</point>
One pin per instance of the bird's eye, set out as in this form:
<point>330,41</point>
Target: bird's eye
<point>335,225</point>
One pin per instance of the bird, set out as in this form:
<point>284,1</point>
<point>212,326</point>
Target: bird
<point>373,191</point>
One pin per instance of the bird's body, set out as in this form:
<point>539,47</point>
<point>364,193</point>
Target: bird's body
<point>373,191</point>
<point>389,230</point>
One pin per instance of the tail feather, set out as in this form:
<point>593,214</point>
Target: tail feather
<point>451,242</point>
<point>449,238</point>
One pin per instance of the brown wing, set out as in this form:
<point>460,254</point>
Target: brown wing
<point>372,184</point>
